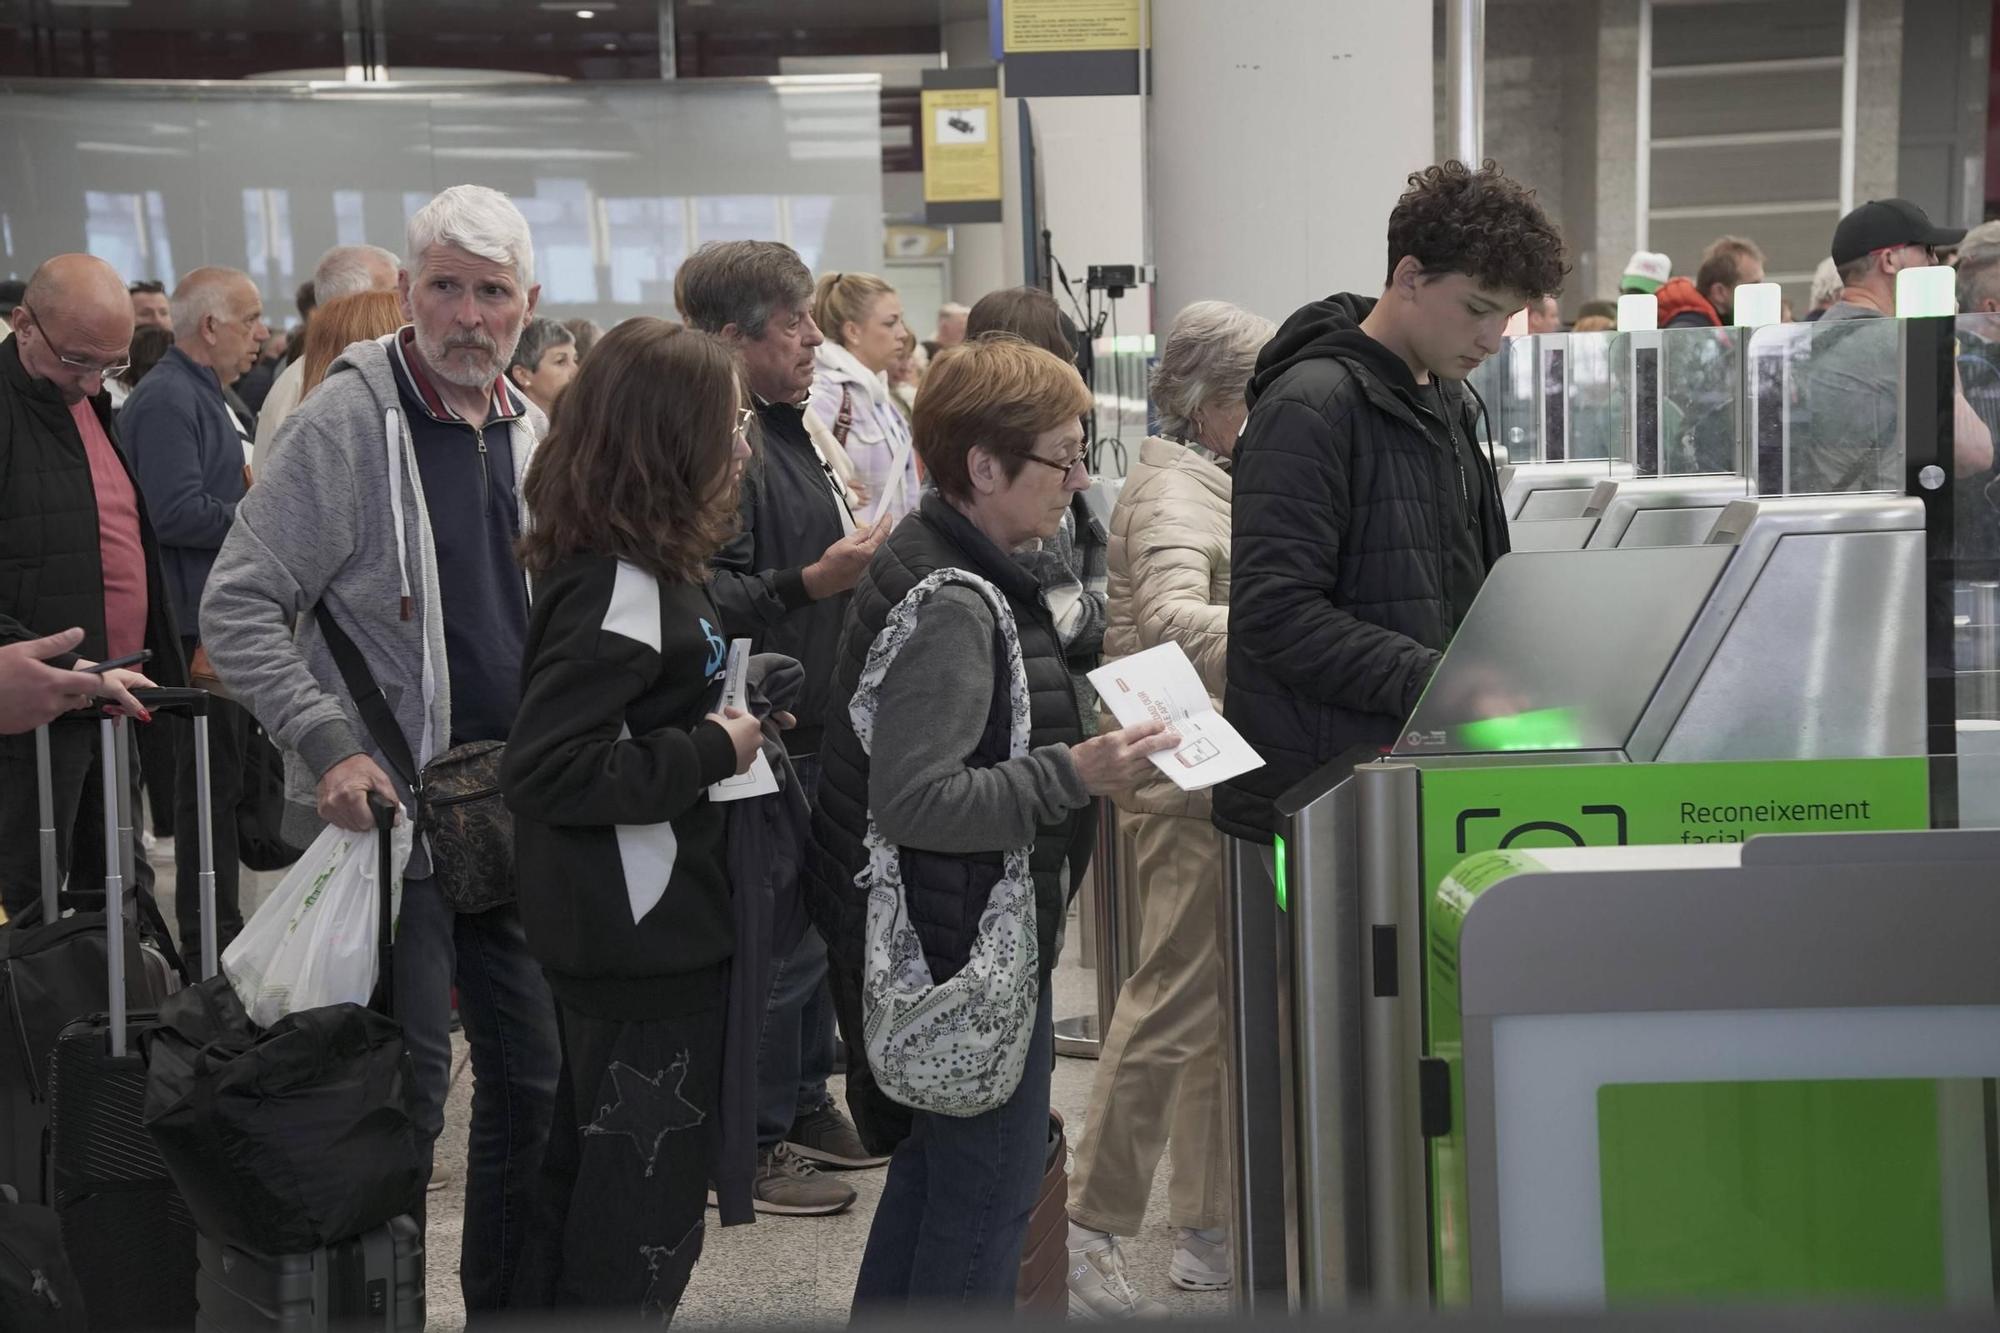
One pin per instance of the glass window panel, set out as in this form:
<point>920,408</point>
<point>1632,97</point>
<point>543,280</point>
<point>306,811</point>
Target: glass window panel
<point>1804,99</point>
<point>1762,173</point>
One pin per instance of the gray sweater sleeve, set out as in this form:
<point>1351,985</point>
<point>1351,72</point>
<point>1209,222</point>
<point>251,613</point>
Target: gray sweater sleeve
<point>929,716</point>
<point>293,530</point>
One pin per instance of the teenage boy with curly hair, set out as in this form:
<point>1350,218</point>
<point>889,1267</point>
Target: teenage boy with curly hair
<point>1366,514</point>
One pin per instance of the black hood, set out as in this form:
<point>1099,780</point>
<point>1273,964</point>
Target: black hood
<point>1329,328</point>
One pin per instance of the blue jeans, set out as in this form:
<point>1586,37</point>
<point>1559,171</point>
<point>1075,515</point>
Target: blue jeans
<point>510,1024</point>
<point>795,1047</point>
<point>955,1209</point>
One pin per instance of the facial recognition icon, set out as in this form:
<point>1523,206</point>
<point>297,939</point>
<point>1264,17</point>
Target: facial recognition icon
<point>1590,820</point>
<point>961,125</point>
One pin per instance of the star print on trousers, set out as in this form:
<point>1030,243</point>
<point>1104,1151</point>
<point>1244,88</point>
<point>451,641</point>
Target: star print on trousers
<point>651,1305</point>
<point>647,1109</point>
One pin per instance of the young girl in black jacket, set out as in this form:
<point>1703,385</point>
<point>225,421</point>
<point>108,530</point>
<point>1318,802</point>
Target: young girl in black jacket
<point>619,852</point>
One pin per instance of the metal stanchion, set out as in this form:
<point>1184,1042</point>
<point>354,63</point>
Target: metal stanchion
<point>1256,1087</point>
<point>1082,1035</point>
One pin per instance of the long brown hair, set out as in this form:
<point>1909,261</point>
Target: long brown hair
<point>344,320</point>
<point>637,465</point>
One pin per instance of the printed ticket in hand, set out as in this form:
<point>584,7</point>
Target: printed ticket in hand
<point>758,779</point>
<point>1161,684</point>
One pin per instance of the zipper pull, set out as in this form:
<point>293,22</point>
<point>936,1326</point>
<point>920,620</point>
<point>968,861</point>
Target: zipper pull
<point>44,1290</point>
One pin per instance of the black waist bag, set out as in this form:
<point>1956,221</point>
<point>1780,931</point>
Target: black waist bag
<point>461,815</point>
<point>286,1139</point>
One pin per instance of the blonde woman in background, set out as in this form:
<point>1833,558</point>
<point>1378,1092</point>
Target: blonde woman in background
<point>862,318</point>
<point>1159,1075</point>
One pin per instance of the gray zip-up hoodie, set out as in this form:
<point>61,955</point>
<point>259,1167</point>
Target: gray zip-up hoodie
<point>337,514</point>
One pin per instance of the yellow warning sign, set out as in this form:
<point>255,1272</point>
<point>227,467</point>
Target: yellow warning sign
<point>1071,25</point>
<point>961,145</point>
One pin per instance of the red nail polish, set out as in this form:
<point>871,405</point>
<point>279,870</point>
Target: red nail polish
<point>145,717</point>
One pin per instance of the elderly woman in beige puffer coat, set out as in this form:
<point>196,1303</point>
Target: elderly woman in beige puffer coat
<point>1159,1073</point>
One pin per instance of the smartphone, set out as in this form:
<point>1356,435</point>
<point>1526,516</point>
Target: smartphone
<point>130,659</point>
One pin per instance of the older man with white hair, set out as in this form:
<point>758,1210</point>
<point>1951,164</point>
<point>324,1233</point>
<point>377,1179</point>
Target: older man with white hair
<point>383,525</point>
<point>189,450</point>
<point>343,271</point>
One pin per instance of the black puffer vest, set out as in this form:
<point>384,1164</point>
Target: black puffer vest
<point>946,894</point>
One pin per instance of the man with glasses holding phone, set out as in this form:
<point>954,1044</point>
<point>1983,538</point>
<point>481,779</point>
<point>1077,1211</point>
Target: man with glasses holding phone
<point>76,550</point>
<point>190,451</point>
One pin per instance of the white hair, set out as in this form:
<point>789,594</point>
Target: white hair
<point>1208,357</point>
<point>349,270</point>
<point>202,293</point>
<point>953,310</point>
<point>1979,266</point>
<point>478,220</point>
<point>1826,283</point>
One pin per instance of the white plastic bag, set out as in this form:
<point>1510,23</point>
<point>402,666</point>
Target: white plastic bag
<point>312,942</point>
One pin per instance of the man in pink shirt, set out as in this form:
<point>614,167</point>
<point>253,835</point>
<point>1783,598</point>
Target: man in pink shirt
<point>75,550</point>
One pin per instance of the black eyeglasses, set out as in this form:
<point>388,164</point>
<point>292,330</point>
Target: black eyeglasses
<point>110,370</point>
<point>1080,464</point>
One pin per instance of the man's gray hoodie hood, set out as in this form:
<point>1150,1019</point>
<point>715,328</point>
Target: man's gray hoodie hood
<point>337,515</point>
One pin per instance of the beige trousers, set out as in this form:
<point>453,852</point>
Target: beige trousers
<point>1160,1072</point>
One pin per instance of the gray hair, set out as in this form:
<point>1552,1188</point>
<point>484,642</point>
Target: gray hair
<point>1979,265</point>
<point>1826,283</point>
<point>478,220</point>
<point>349,270</point>
<point>536,339</point>
<point>953,310</point>
<point>741,283</point>
<point>1208,356</point>
<point>202,293</point>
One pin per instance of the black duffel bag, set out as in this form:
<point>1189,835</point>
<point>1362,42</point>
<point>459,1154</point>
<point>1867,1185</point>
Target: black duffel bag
<point>289,1138</point>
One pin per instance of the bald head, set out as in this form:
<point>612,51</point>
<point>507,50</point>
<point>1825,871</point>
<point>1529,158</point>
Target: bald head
<point>78,287</point>
<point>74,319</point>
<point>219,320</point>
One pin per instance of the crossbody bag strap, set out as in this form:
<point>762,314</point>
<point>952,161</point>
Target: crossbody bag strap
<point>843,424</point>
<point>375,712</point>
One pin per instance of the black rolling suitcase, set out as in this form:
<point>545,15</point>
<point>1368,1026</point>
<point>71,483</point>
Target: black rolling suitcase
<point>52,970</point>
<point>372,1282</point>
<point>127,1232</point>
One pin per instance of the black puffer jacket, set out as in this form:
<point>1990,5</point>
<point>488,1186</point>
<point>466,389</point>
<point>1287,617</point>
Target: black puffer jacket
<point>1364,519</point>
<point>945,893</point>
<point>937,537</point>
<point>51,569</point>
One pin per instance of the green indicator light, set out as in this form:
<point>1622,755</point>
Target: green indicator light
<point>1279,863</point>
<point>1538,729</point>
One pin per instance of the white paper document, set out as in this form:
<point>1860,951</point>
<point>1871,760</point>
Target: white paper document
<point>758,780</point>
<point>1162,684</point>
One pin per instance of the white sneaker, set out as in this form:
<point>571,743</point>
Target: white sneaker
<point>1201,1259</point>
<point>1098,1288</point>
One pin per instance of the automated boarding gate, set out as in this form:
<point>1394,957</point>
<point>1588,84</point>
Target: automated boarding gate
<point>1735,1076</point>
<point>1630,678</point>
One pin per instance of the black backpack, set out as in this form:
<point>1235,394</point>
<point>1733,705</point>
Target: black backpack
<point>38,1292</point>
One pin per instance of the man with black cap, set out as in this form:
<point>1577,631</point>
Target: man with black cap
<point>1876,242</point>
<point>1851,381</point>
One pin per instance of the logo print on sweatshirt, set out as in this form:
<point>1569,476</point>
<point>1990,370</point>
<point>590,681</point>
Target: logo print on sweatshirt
<point>717,649</point>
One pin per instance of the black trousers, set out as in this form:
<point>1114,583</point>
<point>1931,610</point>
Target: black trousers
<point>158,757</point>
<point>618,1215</point>
<point>228,735</point>
<point>79,815</point>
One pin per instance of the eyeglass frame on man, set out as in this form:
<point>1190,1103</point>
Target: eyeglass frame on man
<point>110,371</point>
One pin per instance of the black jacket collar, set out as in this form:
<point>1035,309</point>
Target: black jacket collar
<point>982,556</point>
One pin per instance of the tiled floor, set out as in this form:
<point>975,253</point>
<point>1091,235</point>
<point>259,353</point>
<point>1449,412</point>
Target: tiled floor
<point>780,1270</point>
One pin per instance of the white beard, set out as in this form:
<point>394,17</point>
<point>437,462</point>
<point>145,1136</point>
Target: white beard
<point>438,355</point>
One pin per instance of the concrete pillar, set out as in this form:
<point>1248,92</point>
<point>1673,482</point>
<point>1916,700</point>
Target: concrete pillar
<point>1281,133</point>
